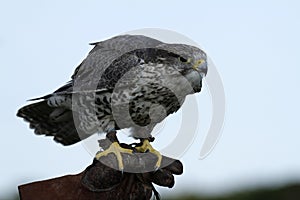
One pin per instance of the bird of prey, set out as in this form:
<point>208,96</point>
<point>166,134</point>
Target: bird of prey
<point>128,81</point>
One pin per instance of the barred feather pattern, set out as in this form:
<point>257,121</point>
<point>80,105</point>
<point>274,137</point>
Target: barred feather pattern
<point>129,81</point>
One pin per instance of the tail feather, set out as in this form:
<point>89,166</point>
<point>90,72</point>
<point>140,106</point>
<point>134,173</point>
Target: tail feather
<point>50,121</point>
<point>39,98</point>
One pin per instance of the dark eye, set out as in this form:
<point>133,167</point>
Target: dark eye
<point>182,59</point>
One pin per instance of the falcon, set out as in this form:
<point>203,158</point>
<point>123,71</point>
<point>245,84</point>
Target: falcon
<point>128,81</point>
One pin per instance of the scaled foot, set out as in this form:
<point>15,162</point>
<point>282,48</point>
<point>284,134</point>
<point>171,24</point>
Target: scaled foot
<point>114,148</point>
<point>147,147</point>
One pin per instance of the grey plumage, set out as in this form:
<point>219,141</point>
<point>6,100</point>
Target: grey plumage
<point>129,81</point>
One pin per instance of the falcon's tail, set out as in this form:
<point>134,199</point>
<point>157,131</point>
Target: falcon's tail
<point>50,121</point>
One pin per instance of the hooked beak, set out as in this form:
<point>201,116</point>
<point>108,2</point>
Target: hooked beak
<point>201,67</point>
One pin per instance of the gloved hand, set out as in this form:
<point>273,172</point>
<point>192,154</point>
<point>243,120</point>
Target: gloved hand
<point>136,181</point>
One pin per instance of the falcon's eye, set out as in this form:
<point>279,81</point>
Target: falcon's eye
<point>182,59</point>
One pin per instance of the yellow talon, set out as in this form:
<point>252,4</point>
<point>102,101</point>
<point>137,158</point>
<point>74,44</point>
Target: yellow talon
<point>147,146</point>
<point>116,149</point>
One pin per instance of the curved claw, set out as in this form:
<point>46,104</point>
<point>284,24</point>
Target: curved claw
<point>147,147</point>
<point>116,149</point>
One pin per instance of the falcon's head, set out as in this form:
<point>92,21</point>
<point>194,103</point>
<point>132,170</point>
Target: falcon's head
<point>190,61</point>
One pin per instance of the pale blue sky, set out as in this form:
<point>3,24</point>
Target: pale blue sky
<point>255,46</point>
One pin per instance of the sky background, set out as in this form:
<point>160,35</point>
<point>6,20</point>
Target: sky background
<point>254,45</point>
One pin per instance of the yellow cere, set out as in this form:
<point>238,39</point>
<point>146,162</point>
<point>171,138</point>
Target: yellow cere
<point>198,62</point>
